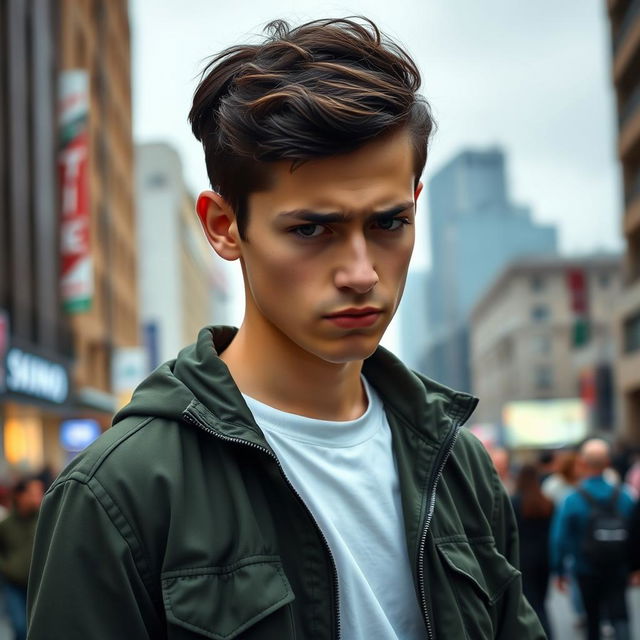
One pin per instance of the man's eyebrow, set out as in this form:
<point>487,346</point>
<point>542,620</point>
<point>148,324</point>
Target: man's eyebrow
<point>307,215</point>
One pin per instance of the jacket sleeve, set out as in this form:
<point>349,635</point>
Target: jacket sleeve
<point>85,579</point>
<point>517,618</point>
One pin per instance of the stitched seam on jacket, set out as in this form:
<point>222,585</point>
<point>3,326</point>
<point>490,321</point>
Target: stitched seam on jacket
<point>116,516</point>
<point>145,575</point>
<point>457,538</point>
<point>190,572</point>
<point>115,444</point>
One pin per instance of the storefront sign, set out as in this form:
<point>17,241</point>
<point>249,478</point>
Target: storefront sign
<point>76,435</point>
<point>557,422</point>
<point>77,269</point>
<point>129,365</point>
<point>36,376</point>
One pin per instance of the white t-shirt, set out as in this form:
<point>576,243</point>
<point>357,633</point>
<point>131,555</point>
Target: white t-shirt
<point>346,474</point>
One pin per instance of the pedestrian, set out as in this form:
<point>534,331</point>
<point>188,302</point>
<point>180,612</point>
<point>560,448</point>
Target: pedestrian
<point>546,464</point>
<point>634,542</point>
<point>559,484</point>
<point>557,487</point>
<point>533,513</point>
<point>632,476</point>
<point>592,528</point>
<point>502,462</point>
<point>291,478</point>
<point>17,532</point>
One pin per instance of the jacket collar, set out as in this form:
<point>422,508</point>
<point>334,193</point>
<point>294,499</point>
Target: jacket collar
<point>198,383</point>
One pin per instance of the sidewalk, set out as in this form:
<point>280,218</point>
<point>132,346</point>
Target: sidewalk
<point>562,618</point>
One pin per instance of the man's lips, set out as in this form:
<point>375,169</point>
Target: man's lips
<point>354,311</point>
<point>354,317</point>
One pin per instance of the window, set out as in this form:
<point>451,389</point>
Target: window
<point>541,344</point>
<point>157,180</point>
<point>632,333</point>
<point>543,377</point>
<point>540,313</point>
<point>537,283</point>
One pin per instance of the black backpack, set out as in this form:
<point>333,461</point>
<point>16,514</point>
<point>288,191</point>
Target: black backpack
<point>605,542</point>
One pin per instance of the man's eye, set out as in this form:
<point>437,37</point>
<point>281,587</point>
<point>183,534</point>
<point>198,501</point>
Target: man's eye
<point>391,224</point>
<point>309,230</point>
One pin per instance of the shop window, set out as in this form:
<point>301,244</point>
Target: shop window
<point>22,438</point>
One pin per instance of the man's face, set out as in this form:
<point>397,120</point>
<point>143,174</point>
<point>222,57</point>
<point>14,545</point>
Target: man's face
<point>328,248</point>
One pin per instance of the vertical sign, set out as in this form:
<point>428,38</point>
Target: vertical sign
<point>578,297</point>
<point>73,160</point>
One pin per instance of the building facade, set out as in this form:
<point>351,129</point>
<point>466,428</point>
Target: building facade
<point>546,329</point>
<point>181,287</point>
<point>55,357</point>
<point>475,230</point>
<point>413,318</point>
<point>625,29</point>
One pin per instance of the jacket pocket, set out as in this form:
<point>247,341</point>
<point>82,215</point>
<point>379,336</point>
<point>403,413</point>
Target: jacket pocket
<point>478,576</point>
<point>225,602</point>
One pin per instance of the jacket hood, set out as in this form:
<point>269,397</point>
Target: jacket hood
<point>198,380</point>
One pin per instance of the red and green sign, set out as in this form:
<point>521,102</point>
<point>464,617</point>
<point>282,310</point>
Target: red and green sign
<point>73,163</point>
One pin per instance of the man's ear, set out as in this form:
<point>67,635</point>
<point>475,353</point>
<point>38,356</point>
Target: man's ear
<point>418,191</point>
<point>219,224</point>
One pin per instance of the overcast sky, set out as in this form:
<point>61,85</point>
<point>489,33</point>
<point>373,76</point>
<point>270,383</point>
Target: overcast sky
<point>531,77</point>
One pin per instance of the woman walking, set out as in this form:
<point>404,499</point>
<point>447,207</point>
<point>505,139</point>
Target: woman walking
<point>533,512</point>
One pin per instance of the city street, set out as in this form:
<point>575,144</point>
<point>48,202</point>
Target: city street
<point>563,619</point>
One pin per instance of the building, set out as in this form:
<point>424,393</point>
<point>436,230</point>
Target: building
<point>545,329</point>
<point>475,230</point>
<point>413,315</point>
<point>181,287</point>
<point>625,29</point>
<point>68,300</point>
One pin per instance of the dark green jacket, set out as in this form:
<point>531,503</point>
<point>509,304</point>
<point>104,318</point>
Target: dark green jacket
<point>178,522</point>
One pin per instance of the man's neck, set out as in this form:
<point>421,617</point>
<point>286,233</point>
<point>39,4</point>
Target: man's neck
<point>270,368</point>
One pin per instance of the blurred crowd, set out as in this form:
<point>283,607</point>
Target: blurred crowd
<point>20,501</point>
<point>578,517</point>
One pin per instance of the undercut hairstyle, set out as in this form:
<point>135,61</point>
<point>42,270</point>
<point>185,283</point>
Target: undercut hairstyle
<point>321,89</point>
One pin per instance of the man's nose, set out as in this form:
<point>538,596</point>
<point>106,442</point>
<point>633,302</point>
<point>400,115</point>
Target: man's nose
<point>356,271</point>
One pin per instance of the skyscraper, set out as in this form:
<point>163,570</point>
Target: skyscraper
<point>475,231</point>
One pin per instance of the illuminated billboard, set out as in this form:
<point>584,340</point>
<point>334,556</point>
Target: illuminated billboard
<point>545,423</point>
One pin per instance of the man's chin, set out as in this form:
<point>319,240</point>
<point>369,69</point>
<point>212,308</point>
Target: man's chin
<point>345,351</point>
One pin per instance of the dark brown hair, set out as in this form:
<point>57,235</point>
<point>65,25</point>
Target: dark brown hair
<point>324,88</point>
<point>534,503</point>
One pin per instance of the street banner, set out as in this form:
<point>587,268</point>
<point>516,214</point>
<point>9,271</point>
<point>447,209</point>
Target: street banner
<point>73,165</point>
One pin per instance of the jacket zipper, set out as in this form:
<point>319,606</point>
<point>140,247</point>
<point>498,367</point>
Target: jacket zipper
<point>450,443</point>
<point>205,427</point>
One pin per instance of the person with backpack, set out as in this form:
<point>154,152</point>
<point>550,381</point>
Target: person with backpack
<point>591,529</point>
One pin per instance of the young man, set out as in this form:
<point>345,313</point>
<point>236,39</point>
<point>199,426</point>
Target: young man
<point>291,479</point>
